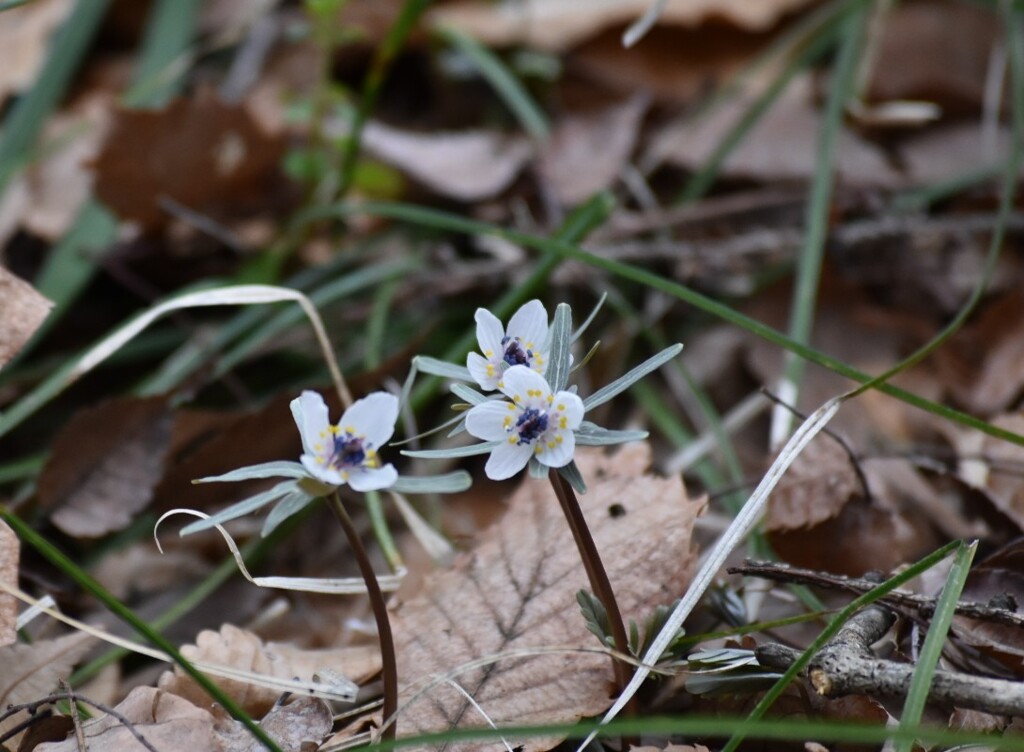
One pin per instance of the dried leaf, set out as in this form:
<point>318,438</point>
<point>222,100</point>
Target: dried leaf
<point>303,721</point>
<point>10,554</point>
<point>453,164</point>
<point>517,590</point>
<point>104,465</point>
<point>238,648</point>
<point>203,154</point>
<point>993,466</point>
<point>25,34</point>
<point>816,488</point>
<point>31,671</point>
<point>556,25</point>
<point>22,310</point>
<point>672,748</point>
<point>587,153</point>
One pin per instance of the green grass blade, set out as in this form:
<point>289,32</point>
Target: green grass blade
<point>830,631</point>
<point>446,221</point>
<point>159,74</point>
<point>921,682</point>
<point>67,50</point>
<point>805,292</point>
<point>125,614</point>
<point>507,86</point>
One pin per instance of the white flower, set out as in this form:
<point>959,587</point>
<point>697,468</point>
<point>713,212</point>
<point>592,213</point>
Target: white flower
<point>524,343</point>
<point>536,423</point>
<point>347,452</point>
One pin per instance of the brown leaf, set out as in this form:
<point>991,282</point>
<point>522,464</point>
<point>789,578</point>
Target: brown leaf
<point>303,721</point>
<point>779,147</point>
<point>993,466</point>
<point>10,553</point>
<point>104,465</point>
<point>199,152</point>
<point>238,648</point>
<point>467,166</point>
<point>587,153</point>
<point>516,590</point>
<point>31,671</point>
<point>22,310</point>
<point>816,487</point>
<point>169,723</point>
<point>672,748</point>
<point>556,25</point>
<point>25,33</point>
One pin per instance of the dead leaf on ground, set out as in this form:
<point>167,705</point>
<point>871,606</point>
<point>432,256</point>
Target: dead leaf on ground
<point>241,649</point>
<point>30,671</point>
<point>778,147</point>
<point>104,465</point>
<point>202,153</point>
<point>468,166</point>
<point>586,153</point>
<point>993,465</point>
<point>22,311</point>
<point>672,748</point>
<point>557,25</point>
<point>10,555</point>
<point>25,33</point>
<point>816,487</point>
<point>946,151</point>
<point>907,68</point>
<point>517,590</point>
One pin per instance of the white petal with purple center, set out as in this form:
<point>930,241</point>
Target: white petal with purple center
<point>487,421</point>
<point>372,478</point>
<point>311,417</point>
<point>372,417</point>
<point>530,324</point>
<point>507,459</point>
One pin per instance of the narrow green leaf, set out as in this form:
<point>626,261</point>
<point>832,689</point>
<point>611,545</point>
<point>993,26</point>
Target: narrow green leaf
<point>466,451</point>
<point>290,505</point>
<point>441,368</point>
<point>425,484</point>
<point>590,319</point>
<point>571,473</point>
<point>590,434</point>
<point>468,393</point>
<point>243,507</point>
<point>559,358</point>
<point>277,469</point>
<point>622,383</point>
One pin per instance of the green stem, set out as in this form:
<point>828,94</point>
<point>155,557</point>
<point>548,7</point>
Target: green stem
<point>380,615</point>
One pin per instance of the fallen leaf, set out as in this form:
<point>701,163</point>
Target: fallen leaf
<point>22,310</point>
<point>556,25</point>
<point>781,146</point>
<point>907,68</point>
<point>993,466</point>
<point>671,748</point>
<point>816,487</point>
<point>948,150</point>
<point>169,724</point>
<point>586,153</point>
<point>241,649</point>
<point>206,155</point>
<point>104,465</point>
<point>25,33</point>
<point>467,166</point>
<point>30,671</point>
<point>303,721</point>
<point>516,590</point>
<point>10,554</point>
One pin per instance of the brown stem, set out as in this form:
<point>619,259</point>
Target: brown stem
<point>598,577</point>
<point>380,615</point>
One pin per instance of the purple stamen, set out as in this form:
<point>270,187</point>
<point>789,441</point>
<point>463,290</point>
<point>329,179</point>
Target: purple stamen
<point>531,424</point>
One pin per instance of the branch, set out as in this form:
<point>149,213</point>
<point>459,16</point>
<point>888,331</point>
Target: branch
<point>846,666</point>
<point>901,599</point>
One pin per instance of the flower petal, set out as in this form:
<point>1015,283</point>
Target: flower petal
<point>310,413</point>
<point>487,421</point>
<point>573,409</point>
<point>477,365</point>
<point>507,459</point>
<point>324,473</point>
<point>561,453</point>
<point>519,381</point>
<point>489,332</point>
<point>530,324</point>
<point>372,478</point>
<point>373,416</point>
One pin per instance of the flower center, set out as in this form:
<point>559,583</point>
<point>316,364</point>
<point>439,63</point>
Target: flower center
<point>515,353</point>
<point>349,451</point>
<point>530,425</point>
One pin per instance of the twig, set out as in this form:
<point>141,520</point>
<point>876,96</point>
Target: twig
<point>846,666</point>
<point>923,604</point>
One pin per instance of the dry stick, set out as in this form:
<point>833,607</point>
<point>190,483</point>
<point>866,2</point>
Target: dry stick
<point>389,662</point>
<point>846,666</point>
<point>924,605</point>
<point>596,573</point>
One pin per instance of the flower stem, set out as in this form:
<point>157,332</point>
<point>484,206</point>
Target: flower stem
<point>380,615</point>
<point>596,573</point>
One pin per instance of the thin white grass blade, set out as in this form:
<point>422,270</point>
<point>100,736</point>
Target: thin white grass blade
<point>331,586</point>
<point>435,544</point>
<point>30,613</point>
<point>332,691</point>
<point>733,536</point>
<point>236,295</point>
<point>642,25</point>
<point>738,417</point>
<point>476,706</point>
